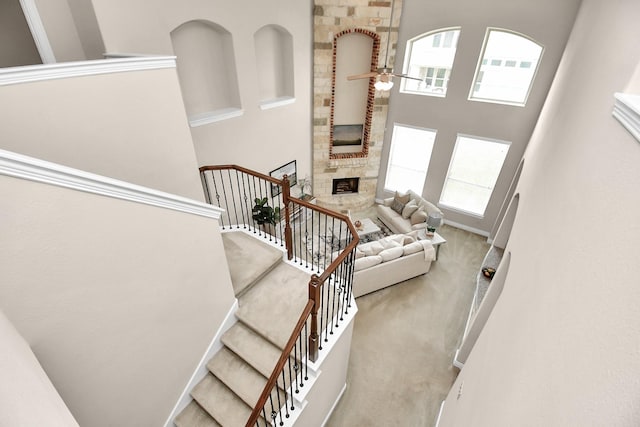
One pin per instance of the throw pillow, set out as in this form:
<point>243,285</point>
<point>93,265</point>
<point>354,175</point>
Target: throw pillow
<point>402,198</point>
<point>419,216</point>
<point>397,206</point>
<point>371,248</point>
<point>408,240</point>
<point>413,248</point>
<point>409,209</point>
<point>366,262</point>
<point>392,253</point>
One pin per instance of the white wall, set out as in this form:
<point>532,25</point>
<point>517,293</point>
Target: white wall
<point>260,140</point>
<point>61,31</point>
<point>129,126</point>
<point>119,301</point>
<point>23,376</point>
<point>548,22</point>
<point>561,345</point>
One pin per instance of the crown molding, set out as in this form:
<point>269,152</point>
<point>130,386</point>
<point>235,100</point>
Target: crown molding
<point>627,110</point>
<point>32,169</point>
<point>63,70</point>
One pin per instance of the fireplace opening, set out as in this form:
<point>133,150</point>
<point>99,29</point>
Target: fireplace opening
<point>345,185</point>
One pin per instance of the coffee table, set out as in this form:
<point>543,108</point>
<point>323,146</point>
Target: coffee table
<point>367,228</point>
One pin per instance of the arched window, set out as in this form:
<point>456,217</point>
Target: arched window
<point>506,68</point>
<point>429,57</point>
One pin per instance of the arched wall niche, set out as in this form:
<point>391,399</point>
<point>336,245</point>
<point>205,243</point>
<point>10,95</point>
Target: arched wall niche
<point>485,309</point>
<point>504,231</point>
<point>507,200</point>
<point>274,59</point>
<point>206,71</point>
<point>354,51</point>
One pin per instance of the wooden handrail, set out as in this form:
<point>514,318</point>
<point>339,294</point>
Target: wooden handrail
<point>286,353</point>
<point>241,169</point>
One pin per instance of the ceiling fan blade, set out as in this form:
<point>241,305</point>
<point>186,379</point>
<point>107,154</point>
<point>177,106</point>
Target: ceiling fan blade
<point>363,76</point>
<point>404,76</point>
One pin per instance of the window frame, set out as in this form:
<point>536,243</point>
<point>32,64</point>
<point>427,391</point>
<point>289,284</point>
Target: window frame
<point>518,66</point>
<point>450,207</point>
<point>390,156</point>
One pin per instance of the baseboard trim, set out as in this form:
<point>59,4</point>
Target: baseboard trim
<point>439,414</point>
<point>202,370</point>
<point>32,169</point>
<point>467,228</point>
<point>333,407</point>
<point>456,362</point>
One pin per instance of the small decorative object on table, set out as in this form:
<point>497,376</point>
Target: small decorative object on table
<point>488,272</point>
<point>358,224</point>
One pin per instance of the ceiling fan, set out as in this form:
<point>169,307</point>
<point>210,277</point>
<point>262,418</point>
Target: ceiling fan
<point>385,74</point>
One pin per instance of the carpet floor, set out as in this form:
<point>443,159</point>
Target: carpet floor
<point>405,338</point>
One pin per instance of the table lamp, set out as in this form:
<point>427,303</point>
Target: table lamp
<point>434,220</point>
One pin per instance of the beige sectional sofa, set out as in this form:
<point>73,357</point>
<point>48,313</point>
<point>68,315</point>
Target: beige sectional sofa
<point>406,212</point>
<point>390,260</point>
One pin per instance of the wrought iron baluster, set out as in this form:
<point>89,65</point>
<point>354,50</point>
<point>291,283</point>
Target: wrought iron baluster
<point>284,388</point>
<point>273,414</point>
<point>245,204</point>
<point>224,195</point>
<point>302,362</point>
<point>296,367</point>
<point>306,345</point>
<point>290,382</point>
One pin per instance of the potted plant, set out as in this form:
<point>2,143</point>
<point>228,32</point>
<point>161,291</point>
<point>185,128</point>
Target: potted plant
<point>264,214</point>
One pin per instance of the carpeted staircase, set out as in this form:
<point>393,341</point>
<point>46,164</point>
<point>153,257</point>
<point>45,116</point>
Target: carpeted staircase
<point>271,295</point>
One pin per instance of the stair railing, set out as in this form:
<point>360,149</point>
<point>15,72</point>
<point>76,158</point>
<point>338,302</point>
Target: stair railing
<point>317,238</point>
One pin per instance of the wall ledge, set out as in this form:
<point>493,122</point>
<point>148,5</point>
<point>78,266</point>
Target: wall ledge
<point>63,70</point>
<point>627,110</point>
<point>202,119</point>
<point>32,169</point>
<point>267,104</point>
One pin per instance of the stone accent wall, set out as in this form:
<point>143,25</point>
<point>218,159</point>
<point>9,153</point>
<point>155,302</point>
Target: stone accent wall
<point>332,17</point>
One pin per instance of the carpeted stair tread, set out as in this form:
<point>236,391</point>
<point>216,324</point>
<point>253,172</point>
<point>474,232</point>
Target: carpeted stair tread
<point>255,350</point>
<point>239,376</point>
<point>220,402</point>
<point>249,259</point>
<point>273,308</point>
<point>194,416</point>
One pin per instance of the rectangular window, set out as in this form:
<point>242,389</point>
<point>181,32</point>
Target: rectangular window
<point>473,173</point>
<point>409,158</point>
<point>510,63</point>
<point>496,62</point>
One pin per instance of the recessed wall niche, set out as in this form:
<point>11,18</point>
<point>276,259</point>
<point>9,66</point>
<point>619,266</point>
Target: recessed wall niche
<point>274,59</point>
<point>355,51</point>
<point>207,71</point>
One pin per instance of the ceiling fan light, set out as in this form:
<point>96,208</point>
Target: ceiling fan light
<point>384,86</point>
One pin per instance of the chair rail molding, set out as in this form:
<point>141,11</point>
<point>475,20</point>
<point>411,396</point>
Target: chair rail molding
<point>63,70</point>
<point>24,167</point>
<point>627,110</point>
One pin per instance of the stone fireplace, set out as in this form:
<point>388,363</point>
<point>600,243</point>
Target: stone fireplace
<point>330,20</point>
<point>345,185</point>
